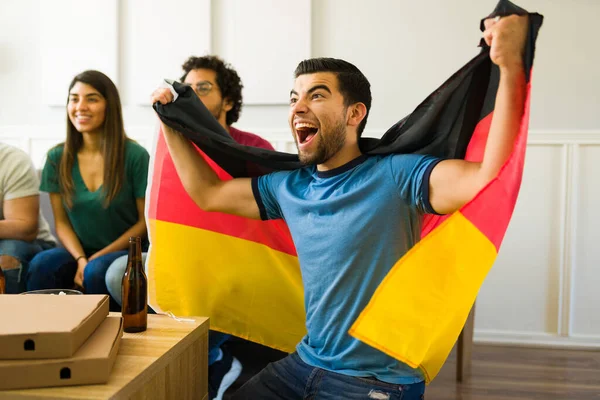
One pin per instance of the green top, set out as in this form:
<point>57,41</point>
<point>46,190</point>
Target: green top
<point>96,226</point>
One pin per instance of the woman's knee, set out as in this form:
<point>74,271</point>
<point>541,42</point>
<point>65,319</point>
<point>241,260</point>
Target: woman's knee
<point>94,271</point>
<point>49,260</point>
<point>45,270</point>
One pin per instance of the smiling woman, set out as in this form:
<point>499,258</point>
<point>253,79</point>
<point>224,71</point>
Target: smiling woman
<point>97,184</point>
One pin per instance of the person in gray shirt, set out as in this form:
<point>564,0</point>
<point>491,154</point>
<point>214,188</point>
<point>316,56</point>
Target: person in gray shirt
<point>23,230</point>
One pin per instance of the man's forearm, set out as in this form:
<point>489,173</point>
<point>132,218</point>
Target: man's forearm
<point>506,121</point>
<point>18,230</point>
<point>195,174</point>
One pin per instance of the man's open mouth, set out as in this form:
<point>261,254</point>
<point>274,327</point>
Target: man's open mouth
<point>306,132</point>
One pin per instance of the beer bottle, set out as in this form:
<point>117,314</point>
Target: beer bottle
<point>135,290</point>
<point>2,282</point>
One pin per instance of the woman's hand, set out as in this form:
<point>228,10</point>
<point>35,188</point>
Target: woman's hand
<point>81,264</point>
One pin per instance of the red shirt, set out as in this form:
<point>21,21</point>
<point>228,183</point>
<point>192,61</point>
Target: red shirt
<point>249,139</point>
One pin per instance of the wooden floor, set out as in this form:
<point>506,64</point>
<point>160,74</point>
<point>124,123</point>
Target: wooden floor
<point>498,373</point>
<point>521,373</point>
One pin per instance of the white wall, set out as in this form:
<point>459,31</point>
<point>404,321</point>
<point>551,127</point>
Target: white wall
<point>543,287</point>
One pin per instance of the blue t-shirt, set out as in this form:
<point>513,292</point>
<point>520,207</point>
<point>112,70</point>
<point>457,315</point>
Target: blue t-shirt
<point>350,226</point>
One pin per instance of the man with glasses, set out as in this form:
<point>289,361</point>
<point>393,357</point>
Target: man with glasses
<point>220,89</point>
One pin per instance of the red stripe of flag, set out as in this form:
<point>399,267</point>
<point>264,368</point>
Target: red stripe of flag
<point>176,206</point>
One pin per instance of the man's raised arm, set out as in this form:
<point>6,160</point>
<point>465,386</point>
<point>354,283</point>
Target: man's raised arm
<point>455,182</point>
<point>199,180</point>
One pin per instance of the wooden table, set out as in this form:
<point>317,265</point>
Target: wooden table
<point>167,361</point>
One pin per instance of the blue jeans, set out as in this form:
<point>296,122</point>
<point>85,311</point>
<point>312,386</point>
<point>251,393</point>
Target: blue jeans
<point>23,252</point>
<point>114,278</point>
<point>291,378</point>
<point>56,268</point>
<point>215,341</point>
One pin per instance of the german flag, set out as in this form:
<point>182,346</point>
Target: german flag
<point>244,274</point>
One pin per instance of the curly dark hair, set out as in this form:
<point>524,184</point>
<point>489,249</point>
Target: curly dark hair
<point>227,78</point>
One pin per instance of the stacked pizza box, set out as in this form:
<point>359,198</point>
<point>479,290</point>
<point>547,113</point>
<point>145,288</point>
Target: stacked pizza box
<point>55,340</point>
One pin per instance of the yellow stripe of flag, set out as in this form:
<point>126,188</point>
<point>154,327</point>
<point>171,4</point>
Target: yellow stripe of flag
<point>417,311</point>
<point>197,272</point>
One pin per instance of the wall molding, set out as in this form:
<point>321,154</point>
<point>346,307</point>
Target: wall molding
<point>564,278</point>
<point>581,137</point>
<point>535,339</point>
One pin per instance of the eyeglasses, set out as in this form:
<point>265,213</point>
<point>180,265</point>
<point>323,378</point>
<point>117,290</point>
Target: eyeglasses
<point>202,88</point>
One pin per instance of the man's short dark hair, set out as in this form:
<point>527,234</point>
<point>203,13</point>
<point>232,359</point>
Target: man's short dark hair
<point>228,80</point>
<point>353,85</point>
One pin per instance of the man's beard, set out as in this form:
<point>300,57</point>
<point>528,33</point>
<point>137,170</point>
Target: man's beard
<point>329,145</point>
<point>216,111</point>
